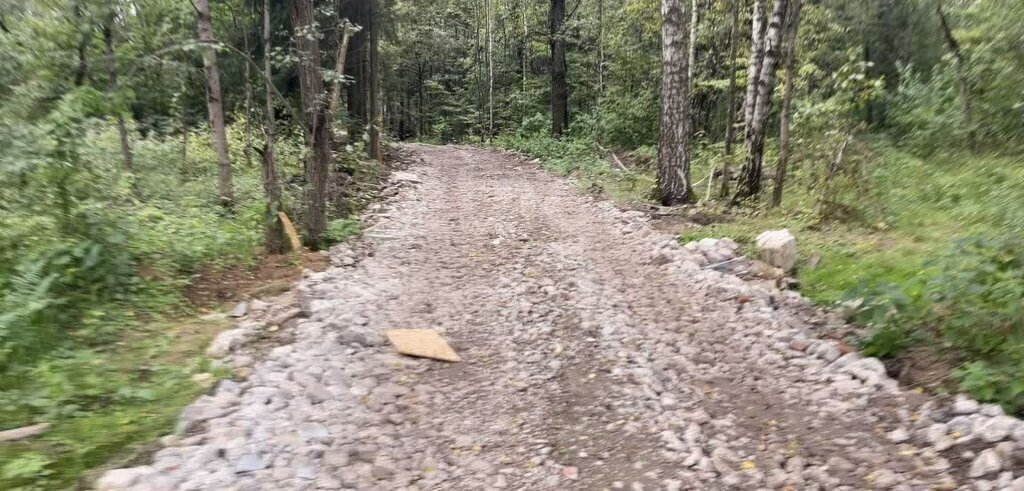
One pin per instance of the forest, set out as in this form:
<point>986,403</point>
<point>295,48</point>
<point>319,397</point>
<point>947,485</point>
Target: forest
<point>146,145</point>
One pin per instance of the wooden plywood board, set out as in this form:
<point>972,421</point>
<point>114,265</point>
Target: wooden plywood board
<point>425,343</point>
<point>289,230</point>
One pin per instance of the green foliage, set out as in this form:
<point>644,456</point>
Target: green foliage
<point>971,304</point>
<point>342,229</point>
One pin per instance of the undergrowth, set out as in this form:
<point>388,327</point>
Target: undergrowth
<point>97,338</point>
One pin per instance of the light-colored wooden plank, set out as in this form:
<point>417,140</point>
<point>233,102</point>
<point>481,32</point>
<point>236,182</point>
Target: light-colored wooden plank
<point>425,343</point>
<point>289,230</point>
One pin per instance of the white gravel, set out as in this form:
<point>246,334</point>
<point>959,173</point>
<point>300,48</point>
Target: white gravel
<point>598,355</point>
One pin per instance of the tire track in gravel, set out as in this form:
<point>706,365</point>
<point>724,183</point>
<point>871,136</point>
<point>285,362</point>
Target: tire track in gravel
<point>597,355</point>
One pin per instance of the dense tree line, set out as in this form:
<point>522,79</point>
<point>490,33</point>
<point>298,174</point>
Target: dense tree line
<point>591,68</point>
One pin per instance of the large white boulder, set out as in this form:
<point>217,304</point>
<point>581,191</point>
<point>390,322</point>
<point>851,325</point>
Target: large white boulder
<point>778,248</point>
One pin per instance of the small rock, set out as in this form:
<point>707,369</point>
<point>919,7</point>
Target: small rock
<point>1018,484</point>
<point>899,435</point>
<point>778,248</point>
<point>240,310</point>
<point>938,435</point>
<point>382,470</point>
<point>203,379</point>
<point>571,472</point>
<point>987,462</point>
<point>839,464</point>
<point>249,462</point>
<point>314,432</point>
<point>884,479</point>
<point>118,479</point>
<point>995,429</point>
<point>226,342</point>
<point>964,405</point>
<point>405,177</point>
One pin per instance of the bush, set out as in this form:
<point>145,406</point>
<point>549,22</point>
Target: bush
<point>973,303</point>
<point>341,229</point>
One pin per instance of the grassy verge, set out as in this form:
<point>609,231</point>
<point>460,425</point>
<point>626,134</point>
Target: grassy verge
<point>106,403</point>
<point>99,334</point>
<point>898,246</point>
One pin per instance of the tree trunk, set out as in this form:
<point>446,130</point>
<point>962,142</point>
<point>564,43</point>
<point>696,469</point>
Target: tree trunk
<point>339,64</point>
<point>318,136</point>
<point>374,149</point>
<point>750,177</point>
<point>112,88</point>
<point>82,48</point>
<point>526,59</point>
<point>215,103</point>
<point>490,69</point>
<point>793,27</point>
<point>730,127</point>
<point>692,51</point>
<point>247,128</point>
<point>600,67</point>
<point>961,77</point>
<point>273,231</point>
<point>756,58</point>
<point>674,186</point>
<point>559,89</point>
<point>183,122</point>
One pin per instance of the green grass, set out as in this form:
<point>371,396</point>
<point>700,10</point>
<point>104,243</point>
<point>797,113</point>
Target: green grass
<point>582,160</point>
<point>106,404</point>
<point>913,210</point>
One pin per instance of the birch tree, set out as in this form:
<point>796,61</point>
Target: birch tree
<point>215,103</point>
<point>792,28</point>
<point>674,187</point>
<point>730,128</point>
<point>750,176</point>
<point>273,232</point>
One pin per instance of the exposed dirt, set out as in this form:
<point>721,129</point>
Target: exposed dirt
<point>271,275</point>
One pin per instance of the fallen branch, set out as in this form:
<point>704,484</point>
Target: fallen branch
<point>614,157</point>
<point>723,263</point>
<point>23,432</point>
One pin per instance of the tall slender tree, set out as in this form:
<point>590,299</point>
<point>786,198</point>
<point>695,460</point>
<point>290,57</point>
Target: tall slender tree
<point>730,127</point>
<point>490,68</point>
<point>963,90</point>
<point>757,31</point>
<point>559,86</point>
<point>750,178</point>
<point>273,231</point>
<point>113,88</point>
<point>792,28</point>
<point>84,28</point>
<point>346,29</point>
<point>215,103</point>
<point>319,159</point>
<point>674,187</point>
<point>375,116</point>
